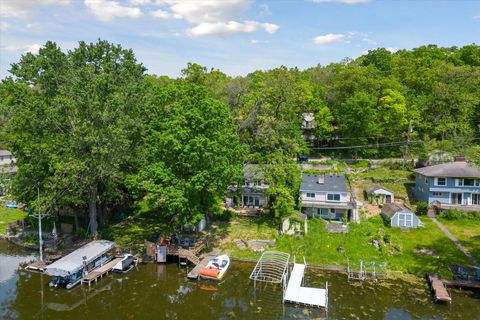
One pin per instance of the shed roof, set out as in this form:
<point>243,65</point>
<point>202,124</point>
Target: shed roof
<point>310,182</point>
<point>375,187</point>
<point>308,116</point>
<point>459,169</point>
<point>73,262</point>
<point>390,209</point>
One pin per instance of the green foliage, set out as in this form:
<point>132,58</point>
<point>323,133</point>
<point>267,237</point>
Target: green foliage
<point>360,164</point>
<point>188,155</point>
<point>455,214</point>
<point>421,209</point>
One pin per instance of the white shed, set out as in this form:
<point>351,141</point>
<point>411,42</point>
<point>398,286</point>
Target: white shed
<point>380,194</point>
<point>400,216</point>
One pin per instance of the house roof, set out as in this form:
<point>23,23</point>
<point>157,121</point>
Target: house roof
<point>331,183</point>
<point>4,153</point>
<point>308,116</point>
<point>459,169</point>
<point>251,171</point>
<point>375,187</point>
<point>390,209</point>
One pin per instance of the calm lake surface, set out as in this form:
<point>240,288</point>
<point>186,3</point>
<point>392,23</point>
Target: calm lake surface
<point>156,291</point>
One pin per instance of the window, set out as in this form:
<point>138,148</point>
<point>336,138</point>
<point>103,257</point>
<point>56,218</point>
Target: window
<point>477,183</point>
<point>333,197</point>
<point>426,180</point>
<point>476,198</point>
<point>310,195</point>
<point>441,181</point>
<point>468,182</point>
<point>333,211</point>
<point>257,182</point>
<point>437,194</point>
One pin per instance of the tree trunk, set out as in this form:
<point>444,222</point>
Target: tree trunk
<point>102,214</point>
<point>92,210</point>
<point>75,219</point>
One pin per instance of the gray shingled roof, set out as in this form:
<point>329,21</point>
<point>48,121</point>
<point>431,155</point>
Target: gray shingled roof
<point>4,153</point>
<point>331,183</point>
<point>390,209</point>
<point>251,171</point>
<point>459,169</point>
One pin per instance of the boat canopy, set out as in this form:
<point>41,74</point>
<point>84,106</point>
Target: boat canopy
<point>73,262</point>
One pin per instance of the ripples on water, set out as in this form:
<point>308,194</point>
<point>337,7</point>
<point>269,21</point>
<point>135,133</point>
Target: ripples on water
<point>162,292</point>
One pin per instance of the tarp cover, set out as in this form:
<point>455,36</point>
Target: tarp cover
<point>73,262</point>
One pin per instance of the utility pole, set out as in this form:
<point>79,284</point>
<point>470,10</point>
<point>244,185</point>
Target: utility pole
<point>40,241</point>
<point>410,130</point>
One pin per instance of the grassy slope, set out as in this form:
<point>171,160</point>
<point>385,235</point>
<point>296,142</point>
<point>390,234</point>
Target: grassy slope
<point>467,232</point>
<point>320,247</point>
<point>8,215</point>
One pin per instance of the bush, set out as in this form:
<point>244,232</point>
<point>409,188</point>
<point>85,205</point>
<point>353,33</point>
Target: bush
<point>455,214</point>
<point>360,164</point>
<point>225,215</point>
<point>422,209</point>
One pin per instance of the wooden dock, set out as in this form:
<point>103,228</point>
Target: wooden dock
<point>296,293</point>
<point>438,288</point>
<point>466,284</point>
<point>195,272</point>
<point>100,272</point>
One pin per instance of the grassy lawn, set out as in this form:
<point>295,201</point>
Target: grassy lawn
<point>8,215</point>
<point>467,232</point>
<point>398,248</point>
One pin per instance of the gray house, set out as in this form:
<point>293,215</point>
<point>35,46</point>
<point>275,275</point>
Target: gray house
<point>399,216</point>
<point>327,197</point>
<point>252,192</point>
<point>449,185</point>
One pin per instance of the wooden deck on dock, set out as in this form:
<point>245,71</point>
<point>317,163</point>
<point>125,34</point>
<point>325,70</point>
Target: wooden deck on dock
<point>438,287</point>
<point>100,272</point>
<point>195,272</point>
<point>467,284</point>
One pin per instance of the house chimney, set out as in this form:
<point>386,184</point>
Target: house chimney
<point>321,179</point>
<point>459,158</point>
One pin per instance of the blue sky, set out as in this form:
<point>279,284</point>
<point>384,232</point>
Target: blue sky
<point>236,36</point>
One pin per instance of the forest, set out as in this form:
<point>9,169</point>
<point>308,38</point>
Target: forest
<point>92,131</point>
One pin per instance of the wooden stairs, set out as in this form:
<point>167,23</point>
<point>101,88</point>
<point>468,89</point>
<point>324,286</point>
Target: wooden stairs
<point>189,255</point>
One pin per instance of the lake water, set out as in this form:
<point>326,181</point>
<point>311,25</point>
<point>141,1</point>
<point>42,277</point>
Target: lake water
<point>162,291</point>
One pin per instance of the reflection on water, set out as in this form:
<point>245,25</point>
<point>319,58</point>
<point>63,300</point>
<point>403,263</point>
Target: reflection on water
<point>162,292</point>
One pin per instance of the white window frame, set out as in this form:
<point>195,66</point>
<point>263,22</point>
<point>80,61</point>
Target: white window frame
<point>333,195</point>
<point>309,194</point>
<point>437,194</point>
<point>438,184</point>
<point>426,180</point>
<point>477,200</point>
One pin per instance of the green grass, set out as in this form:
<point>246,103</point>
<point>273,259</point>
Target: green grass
<point>9,215</point>
<point>398,248</point>
<point>467,232</point>
<point>383,173</point>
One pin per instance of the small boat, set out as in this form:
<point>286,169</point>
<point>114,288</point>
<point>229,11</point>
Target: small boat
<point>125,264</point>
<point>216,268</point>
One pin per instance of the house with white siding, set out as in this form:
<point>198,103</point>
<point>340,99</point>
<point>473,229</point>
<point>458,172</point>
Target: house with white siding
<point>449,185</point>
<point>327,197</point>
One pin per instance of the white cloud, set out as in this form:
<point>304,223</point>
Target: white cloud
<point>230,27</point>
<point>476,17</point>
<point>370,41</point>
<point>162,14</point>
<point>140,2</point>
<point>391,50</point>
<point>199,11</point>
<point>106,11</point>
<point>4,25</point>
<point>29,25</point>
<point>342,1</point>
<point>212,17</point>
<point>22,8</point>
<point>328,38</point>
<point>255,41</point>
<point>32,48</point>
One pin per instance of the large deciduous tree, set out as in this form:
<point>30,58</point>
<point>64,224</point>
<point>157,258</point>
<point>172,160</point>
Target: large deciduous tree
<point>73,123</point>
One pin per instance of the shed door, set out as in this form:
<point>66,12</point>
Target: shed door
<point>388,198</point>
<point>401,220</point>
<point>408,220</point>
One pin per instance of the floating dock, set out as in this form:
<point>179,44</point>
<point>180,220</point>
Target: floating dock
<point>297,294</point>
<point>438,288</point>
<point>195,272</point>
<point>100,272</point>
